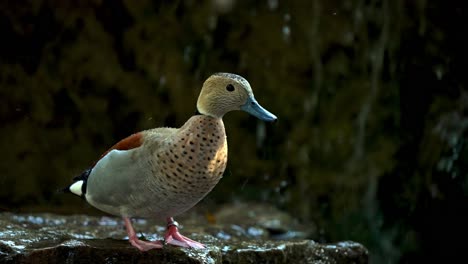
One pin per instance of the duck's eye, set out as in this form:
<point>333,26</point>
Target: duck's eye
<point>230,87</point>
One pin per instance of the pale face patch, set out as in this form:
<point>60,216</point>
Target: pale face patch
<point>238,79</point>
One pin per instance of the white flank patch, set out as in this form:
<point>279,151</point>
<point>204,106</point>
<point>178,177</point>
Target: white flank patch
<point>75,188</point>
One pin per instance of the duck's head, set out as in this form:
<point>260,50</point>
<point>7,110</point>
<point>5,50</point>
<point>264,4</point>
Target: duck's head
<point>224,92</point>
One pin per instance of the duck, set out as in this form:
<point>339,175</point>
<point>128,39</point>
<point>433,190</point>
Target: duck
<point>162,172</point>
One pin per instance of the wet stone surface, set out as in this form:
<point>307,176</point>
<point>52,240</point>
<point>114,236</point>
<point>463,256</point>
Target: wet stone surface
<point>261,234</point>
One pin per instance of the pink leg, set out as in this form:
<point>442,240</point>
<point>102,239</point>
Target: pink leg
<point>173,237</point>
<point>140,244</point>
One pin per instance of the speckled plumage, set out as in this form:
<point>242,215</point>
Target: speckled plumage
<point>176,169</point>
<point>163,172</point>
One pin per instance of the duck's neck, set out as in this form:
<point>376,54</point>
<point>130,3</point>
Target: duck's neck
<point>202,145</point>
<point>205,138</point>
<point>201,127</point>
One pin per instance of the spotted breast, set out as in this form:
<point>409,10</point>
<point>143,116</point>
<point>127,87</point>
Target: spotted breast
<point>191,165</point>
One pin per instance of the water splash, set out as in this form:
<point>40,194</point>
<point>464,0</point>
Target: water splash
<point>223,235</point>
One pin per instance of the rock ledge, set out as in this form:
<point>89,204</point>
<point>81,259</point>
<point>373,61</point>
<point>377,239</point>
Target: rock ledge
<point>49,238</point>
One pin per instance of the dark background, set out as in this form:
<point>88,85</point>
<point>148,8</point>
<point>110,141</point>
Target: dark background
<point>371,98</point>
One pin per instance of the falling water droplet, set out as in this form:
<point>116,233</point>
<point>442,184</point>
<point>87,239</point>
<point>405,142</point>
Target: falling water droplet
<point>162,80</point>
<point>261,134</point>
<point>187,53</point>
<point>286,32</point>
<point>273,4</point>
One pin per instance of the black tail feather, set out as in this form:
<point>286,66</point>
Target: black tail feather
<point>83,176</point>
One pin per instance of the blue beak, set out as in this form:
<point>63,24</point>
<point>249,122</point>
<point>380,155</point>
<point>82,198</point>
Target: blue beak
<point>252,107</point>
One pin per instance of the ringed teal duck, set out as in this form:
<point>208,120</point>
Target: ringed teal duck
<point>163,172</point>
